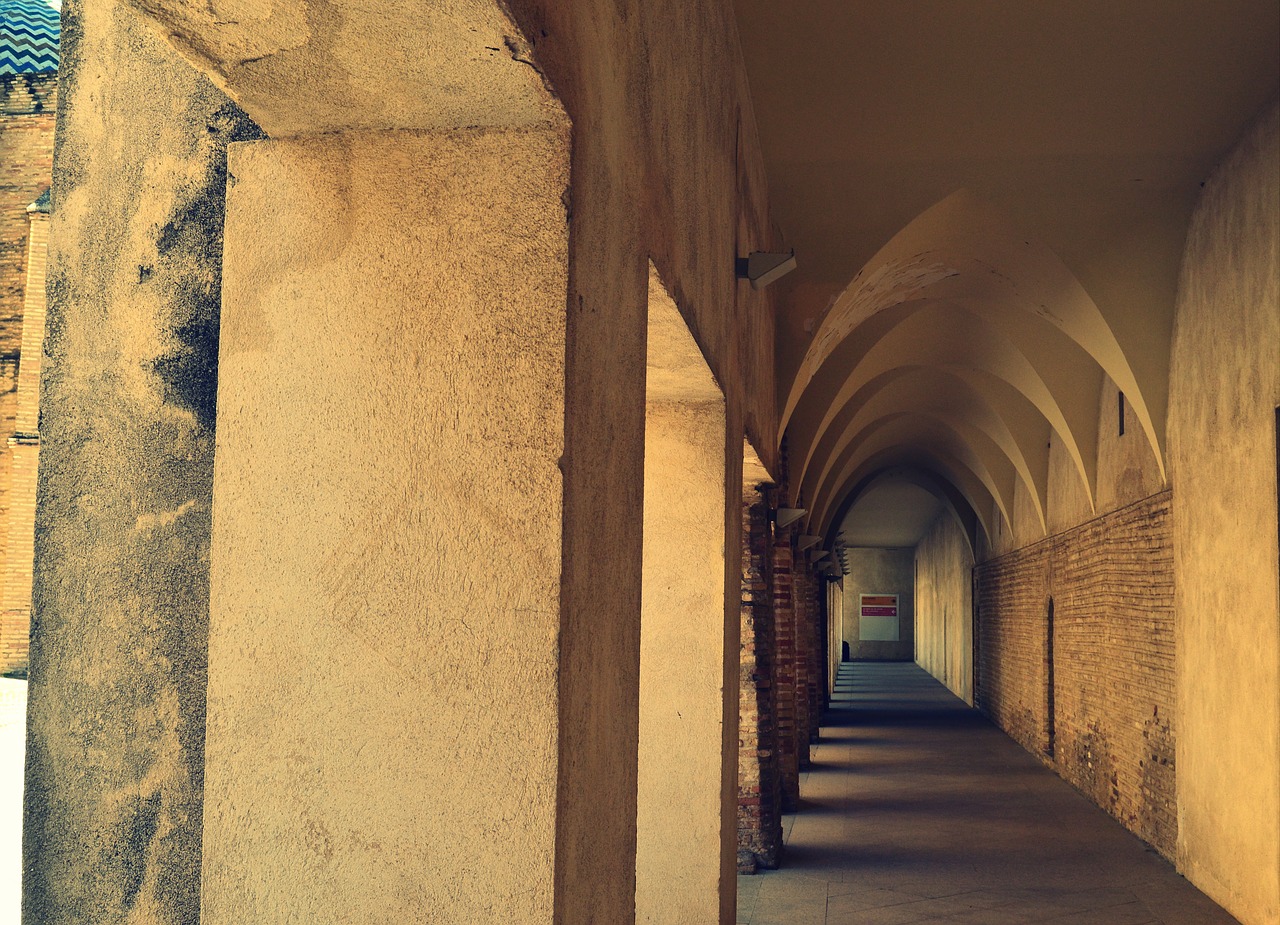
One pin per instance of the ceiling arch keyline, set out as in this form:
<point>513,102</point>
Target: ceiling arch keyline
<point>937,390</point>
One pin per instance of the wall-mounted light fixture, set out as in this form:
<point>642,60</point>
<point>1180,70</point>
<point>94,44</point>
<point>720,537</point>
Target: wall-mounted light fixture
<point>786,516</point>
<point>805,540</point>
<point>763,268</point>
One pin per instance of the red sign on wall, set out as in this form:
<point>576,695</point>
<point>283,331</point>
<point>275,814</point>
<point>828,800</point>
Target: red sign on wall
<point>879,605</point>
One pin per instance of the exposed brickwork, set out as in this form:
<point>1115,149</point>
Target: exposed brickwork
<point>759,783</point>
<point>27,106</point>
<point>814,653</point>
<point>24,452</point>
<point>802,612</point>
<point>1111,581</point>
<point>785,676</point>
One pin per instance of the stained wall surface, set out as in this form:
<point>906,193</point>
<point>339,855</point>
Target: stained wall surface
<point>1225,391</point>
<point>944,606</point>
<point>651,177</point>
<point>880,571</point>
<point>115,747</point>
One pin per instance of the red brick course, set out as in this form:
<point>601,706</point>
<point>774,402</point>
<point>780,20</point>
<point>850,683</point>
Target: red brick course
<point>1107,723</point>
<point>759,782</point>
<point>27,112</point>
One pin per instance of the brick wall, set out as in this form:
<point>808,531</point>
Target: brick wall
<point>784,616</point>
<point>814,652</point>
<point>27,105</point>
<point>801,612</point>
<point>24,454</point>
<point>1106,722</point>
<point>759,783</point>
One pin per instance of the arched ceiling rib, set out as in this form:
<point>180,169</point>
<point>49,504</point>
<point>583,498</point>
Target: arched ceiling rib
<point>965,466</point>
<point>964,338</point>
<point>946,336</point>
<point>850,529</point>
<point>965,490</point>
<point>934,392</point>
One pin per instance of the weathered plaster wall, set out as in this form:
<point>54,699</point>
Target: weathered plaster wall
<point>944,606</point>
<point>1225,389</point>
<point>652,177</point>
<point>881,571</point>
<point>115,753</point>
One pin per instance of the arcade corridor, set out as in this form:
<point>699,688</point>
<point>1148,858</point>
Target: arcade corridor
<point>471,432</point>
<point>917,809</point>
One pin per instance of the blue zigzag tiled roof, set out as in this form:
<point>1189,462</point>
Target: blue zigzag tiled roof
<point>28,37</point>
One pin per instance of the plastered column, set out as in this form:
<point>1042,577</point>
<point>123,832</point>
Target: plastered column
<point>682,633</point>
<point>385,618</point>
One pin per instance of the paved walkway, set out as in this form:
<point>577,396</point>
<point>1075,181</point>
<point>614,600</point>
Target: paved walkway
<point>13,741</point>
<point>919,810</point>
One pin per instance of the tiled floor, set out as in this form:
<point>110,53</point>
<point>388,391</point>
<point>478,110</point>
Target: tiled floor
<point>918,810</point>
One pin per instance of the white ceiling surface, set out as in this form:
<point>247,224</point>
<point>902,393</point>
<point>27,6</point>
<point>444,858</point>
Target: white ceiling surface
<point>890,513</point>
<point>1078,132</point>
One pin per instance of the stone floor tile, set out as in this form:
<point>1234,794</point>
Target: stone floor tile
<point>917,809</point>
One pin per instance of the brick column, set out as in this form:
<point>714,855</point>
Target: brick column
<point>24,450</point>
<point>802,606</point>
<point>759,781</point>
<point>785,674</point>
<point>814,586</point>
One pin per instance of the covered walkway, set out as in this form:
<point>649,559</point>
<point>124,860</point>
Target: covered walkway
<point>916,809</point>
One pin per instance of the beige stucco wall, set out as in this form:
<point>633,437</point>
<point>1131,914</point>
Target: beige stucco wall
<point>880,571</point>
<point>1225,388</point>
<point>651,178</point>
<point>385,580</point>
<point>944,606</point>
<point>679,828</point>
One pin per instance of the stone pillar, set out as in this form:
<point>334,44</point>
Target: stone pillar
<point>383,645</point>
<point>115,748</point>
<point>759,783</point>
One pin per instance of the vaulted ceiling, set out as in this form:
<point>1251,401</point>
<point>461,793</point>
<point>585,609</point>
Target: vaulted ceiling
<point>988,202</point>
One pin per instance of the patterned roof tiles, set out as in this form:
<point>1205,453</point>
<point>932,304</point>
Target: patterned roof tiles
<point>28,37</point>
